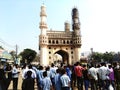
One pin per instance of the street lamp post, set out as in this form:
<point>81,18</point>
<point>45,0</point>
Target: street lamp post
<point>91,55</point>
<point>16,61</point>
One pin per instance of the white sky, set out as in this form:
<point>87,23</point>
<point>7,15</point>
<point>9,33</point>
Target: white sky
<point>100,19</point>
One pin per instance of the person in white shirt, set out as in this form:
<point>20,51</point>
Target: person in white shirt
<point>103,73</point>
<point>24,70</point>
<point>15,74</point>
<point>65,80</point>
<point>92,72</point>
<point>34,75</point>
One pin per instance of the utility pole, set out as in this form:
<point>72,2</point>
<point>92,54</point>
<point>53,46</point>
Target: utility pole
<point>16,47</point>
<point>91,54</point>
<point>91,50</point>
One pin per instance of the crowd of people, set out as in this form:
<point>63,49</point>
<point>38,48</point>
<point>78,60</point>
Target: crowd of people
<point>7,73</point>
<point>101,76</point>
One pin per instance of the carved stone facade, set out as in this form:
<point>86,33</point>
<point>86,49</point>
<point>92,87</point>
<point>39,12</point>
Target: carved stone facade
<point>65,43</point>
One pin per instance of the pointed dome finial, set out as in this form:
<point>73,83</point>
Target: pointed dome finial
<point>43,1</point>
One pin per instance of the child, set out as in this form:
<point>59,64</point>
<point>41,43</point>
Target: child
<point>28,83</point>
<point>57,80</point>
<point>65,80</point>
<point>47,84</point>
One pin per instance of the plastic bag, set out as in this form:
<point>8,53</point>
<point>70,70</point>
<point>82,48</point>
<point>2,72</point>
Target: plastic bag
<point>110,87</point>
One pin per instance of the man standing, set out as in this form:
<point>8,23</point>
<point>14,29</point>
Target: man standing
<point>15,74</point>
<point>103,75</point>
<point>79,73</point>
<point>92,72</point>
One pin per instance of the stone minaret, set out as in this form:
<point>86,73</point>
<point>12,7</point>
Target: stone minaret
<point>76,33</point>
<point>75,21</point>
<point>43,38</point>
<point>67,26</point>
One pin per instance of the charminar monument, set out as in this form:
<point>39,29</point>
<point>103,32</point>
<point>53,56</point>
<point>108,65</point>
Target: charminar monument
<point>66,43</point>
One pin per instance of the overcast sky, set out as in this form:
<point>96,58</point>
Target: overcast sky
<point>100,19</point>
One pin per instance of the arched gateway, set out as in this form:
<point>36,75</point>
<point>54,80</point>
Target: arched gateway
<point>66,43</point>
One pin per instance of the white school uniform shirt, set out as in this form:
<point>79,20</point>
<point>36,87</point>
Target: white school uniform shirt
<point>65,80</point>
<point>24,72</point>
<point>15,72</point>
<point>34,75</point>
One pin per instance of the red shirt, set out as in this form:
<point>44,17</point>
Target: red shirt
<point>78,71</point>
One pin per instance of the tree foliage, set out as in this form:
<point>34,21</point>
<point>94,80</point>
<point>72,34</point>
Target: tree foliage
<point>1,47</point>
<point>28,55</point>
<point>117,57</point>
<point>37,58</point>
<point>96,56</point>
<point>106,57</point>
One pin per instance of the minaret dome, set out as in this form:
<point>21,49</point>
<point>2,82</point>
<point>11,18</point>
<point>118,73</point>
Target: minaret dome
<point>43,11</point>
<point>43,15</point>
<point>67,26</point>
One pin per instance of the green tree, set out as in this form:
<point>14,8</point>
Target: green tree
<point>117,57</point>
<point>108,56</point>
<point>28,55</point>
<point>37,58</point>
<point>1,47</point>
<point>96,56</point>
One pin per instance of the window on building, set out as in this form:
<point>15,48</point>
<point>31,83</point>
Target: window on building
<point>67,42</point>
<point>49,41</point>
<point>64,42</point>
<point>53,41</point>
<point>57,42</point>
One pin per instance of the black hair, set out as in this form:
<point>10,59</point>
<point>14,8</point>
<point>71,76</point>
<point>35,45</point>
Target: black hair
<point>29,73</point>
<point>63,71</point>
<point>58,70</point>
<point>40,67</point>
<point>45,73</point>
<point>30,66</point>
